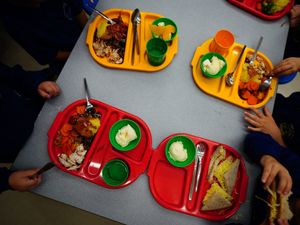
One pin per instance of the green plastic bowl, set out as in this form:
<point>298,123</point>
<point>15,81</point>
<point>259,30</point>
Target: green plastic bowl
<point>209,56</point>
<point>188,144</point>
<point>167,21</point>
<point>115,172</point>
<point>116,127</point>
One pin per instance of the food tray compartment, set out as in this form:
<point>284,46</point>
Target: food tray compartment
<point>144,33</point>
<point>217,86</point>
<point>170,185</point>
<point>249,6</point>
<point>101,150</point>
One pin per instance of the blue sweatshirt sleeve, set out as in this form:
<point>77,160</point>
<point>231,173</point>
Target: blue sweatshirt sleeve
<point>259,144</point>
<point>4,176</point>
<point>26,81</point>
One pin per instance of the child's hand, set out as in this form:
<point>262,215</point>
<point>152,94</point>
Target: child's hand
<point>286,67</point>
<point>48,89</point>
<point>20,180</point>
<point>283,222</point>
<point>271,169</point>
<point>295,16</point>
<point>263,122</point>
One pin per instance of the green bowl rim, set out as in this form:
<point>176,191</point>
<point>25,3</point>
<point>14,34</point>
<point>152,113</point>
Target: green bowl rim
<point>124,165</point>
<point>189,159</point>
<point>130,146</point>
<point>171,22</point>
<point>211,54</point>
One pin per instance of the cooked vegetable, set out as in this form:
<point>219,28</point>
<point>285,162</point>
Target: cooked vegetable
<point>271,7</point>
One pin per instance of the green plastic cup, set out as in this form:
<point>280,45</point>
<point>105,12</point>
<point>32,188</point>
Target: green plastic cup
<point>156,51</point>
<point>115,172</point>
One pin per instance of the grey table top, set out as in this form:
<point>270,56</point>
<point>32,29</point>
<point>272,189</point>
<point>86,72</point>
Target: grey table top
<point>168,101</point>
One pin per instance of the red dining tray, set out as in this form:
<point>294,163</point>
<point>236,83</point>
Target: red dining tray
<point>170,185</point>
<point>101,151</point>
<point>249,5</point>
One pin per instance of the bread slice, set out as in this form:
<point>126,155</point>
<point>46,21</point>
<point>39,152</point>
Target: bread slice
<point>215,202</point>
<point>284,207</point>
<point>216,198</point>
<point>231,175</point>
<point>218,155</point>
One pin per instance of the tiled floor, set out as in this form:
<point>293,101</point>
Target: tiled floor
<point>27,208</point>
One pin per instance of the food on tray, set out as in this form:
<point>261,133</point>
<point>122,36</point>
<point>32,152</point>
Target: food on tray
<point>251,78</point>
<point>278,203</point>
<point>110,40</point>
<point>222,174</point>
<point>214,65</point>
<point>231,175</point>
<point>75,137</point>
<point>216,198</point>
<point>271,7</point>
<point>162,31</point>
<point>178,152</point>
<point>125,135</point>
<point>218,155</point>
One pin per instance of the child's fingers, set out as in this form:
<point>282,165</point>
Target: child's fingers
<point>266,173</point>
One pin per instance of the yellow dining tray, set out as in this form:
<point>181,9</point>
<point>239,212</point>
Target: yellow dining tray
<point>217,86</point>
<point>140,61</point>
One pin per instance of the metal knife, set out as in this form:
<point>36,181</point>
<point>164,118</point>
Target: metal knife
<point>46,167</point>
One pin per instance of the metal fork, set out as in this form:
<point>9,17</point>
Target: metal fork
<point>200,154</point>
<point>89,105</point>
<point>197,169</point>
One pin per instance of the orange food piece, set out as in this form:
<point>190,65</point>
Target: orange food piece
<point>64,140</point>
<point>260,95</point>
<point>164,32</point>
<point>242,85</point>
<point>65,130</point>
<point>245,94</point>
<point>80,109</point>
<point>157,30</point>
<point>252,100</point>
<point>252,86</point>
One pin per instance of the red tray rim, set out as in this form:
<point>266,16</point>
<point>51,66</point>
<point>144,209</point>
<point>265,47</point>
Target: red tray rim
<point>255,12</point>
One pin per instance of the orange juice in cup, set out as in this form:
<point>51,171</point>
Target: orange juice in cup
<point>222,42</point>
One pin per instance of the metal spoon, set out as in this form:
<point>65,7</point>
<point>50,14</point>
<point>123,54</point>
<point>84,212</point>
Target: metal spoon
<point>89,105</point>
<point>229,77</point>
<point>103,15</point>
<point>135,19</point>
<point>264,85</point>
<point>256,50</point>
